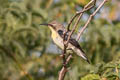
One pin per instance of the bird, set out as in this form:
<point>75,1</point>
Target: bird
<point>57,36</point>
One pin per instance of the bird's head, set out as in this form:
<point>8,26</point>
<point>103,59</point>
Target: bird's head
<point>54,25</point>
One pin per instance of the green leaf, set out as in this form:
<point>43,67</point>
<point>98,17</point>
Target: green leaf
<point>91,77</point>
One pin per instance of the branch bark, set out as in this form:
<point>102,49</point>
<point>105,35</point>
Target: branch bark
<point>86,8</point>
<point>89,19</point>
<point>66,60</point>
<point>64,69</point>
<point>80,13</point>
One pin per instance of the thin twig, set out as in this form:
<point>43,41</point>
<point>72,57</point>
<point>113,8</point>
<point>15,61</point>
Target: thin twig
<point>87,7</point>
<point>64,69</point>
<point>89,19</point>
<point>65,61</point>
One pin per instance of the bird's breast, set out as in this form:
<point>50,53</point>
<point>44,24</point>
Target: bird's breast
<point>57,39</point>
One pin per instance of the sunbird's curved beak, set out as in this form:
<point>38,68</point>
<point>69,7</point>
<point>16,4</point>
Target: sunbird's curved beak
<point>49,25</point>
<point>46,24</point>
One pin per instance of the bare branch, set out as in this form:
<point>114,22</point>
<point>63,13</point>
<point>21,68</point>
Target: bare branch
<point>87,7</point>
<point>66,60</point>
<point>64,69</point>
<point>80,13</point>
<point>89,19</point>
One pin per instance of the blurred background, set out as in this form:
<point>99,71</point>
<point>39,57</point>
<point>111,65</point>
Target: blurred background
<point>28,53</point>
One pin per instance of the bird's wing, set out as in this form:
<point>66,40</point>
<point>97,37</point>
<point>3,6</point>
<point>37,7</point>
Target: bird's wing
<point>72,41</point>
<point>75,43</point>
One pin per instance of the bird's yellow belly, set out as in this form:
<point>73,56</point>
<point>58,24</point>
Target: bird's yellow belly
<point>58,41</point>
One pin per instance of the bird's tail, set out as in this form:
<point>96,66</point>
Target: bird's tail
<point>81,53</point>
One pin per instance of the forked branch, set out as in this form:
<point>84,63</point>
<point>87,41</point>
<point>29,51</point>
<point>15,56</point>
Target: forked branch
<point>89,19</point>
<point>78,15</point>
<point>90,5</point>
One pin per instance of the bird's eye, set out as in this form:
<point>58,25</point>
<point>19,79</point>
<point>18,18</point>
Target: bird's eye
<point>60,32</point>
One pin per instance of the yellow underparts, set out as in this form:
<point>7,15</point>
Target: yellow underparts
<point>56,38</point>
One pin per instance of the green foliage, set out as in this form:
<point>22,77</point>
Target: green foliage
<point>23,43</point>
<point>91,77</point>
